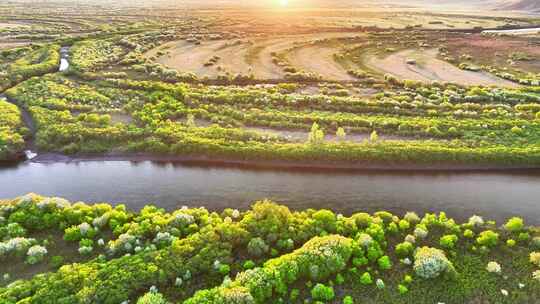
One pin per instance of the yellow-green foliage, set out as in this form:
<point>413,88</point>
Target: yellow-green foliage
<point>11,131</point>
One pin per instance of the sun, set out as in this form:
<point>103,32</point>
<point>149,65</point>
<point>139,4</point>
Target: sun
<point>284,2</point>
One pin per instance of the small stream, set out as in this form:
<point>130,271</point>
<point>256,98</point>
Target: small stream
<point>64,55</point>
<point>27,118</point>
<point>525,31</point>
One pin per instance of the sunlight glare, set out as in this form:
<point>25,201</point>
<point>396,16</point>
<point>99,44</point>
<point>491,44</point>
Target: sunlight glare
<point>284,2</point>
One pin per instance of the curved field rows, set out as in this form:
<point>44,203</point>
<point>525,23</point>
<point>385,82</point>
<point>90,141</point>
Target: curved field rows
<point>189,57</point>
<point>253,56</point>
<point>320,60</point>
<point>429,68</point>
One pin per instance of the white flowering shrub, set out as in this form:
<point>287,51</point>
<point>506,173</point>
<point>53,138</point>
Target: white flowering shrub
<point>12,230</point>
<point>431,262</point>
<point>476,221</point>
<point>124,243</point>
<point>536,275</point>
<point>493,267</point>
<point>178,282</point>
<point>16,245</point>
<point>183,219</point>
<point>53,202</point>
<point>101,221</point>
<point>420,233</point>
<point>534,257</point>
<point>365,240</point>
<point>412,217</point>
<point>76,233</point>
<point>36,254</point>
<point>86,250</point>
<point>410,238</point>
<point>163,238</point>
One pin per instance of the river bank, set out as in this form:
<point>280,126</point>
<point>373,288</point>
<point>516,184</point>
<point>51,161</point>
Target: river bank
<point>275,164</point>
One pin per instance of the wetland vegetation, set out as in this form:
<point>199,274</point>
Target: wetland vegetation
<point>281,86</point>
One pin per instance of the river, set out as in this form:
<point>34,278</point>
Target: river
<point>495,195</point>
<point>524,31</point>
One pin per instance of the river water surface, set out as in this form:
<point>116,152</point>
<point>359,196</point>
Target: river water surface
<point>495,195</point>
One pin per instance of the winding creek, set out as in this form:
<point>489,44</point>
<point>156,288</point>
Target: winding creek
<point>64,55</point>
<point>495,195</point>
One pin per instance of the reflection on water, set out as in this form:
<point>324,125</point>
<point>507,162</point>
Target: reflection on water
<point>494,195</point>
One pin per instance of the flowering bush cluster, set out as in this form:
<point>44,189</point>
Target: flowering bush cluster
<point>252,256</point>
<point>36,254</point>
<point>15,245</point>
<point>431,262</point>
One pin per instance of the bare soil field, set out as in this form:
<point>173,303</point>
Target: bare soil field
<point>497,50</point>
<point>319,59</point>
<point>189,57</point>
<point>428,67</point>
<point>253,56</point>
<point>11,25</point>
<point>294,20</point>
<point>13,44</point>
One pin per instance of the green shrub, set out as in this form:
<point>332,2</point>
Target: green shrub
<point>322,292</point>
<point>152,298</point>
<point>325,219</point>
<point>224,269</point>
<point>384,263</point>
<point>514,224</point>
<point>366,279</point>
<point>404,249</point>
<point>488,238</point>
<point>402,289</point>
<point>524,236</point>
<point>535,242</point>
<point>468,233</point>
<point>257,247</point>
<point>249,264</point>
<point>404,225</point>
<point>448,241</point>
<point>57,261</point>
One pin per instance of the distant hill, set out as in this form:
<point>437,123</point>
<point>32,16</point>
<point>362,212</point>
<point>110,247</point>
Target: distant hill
<point>524,5</point>
<point>518,5</point>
